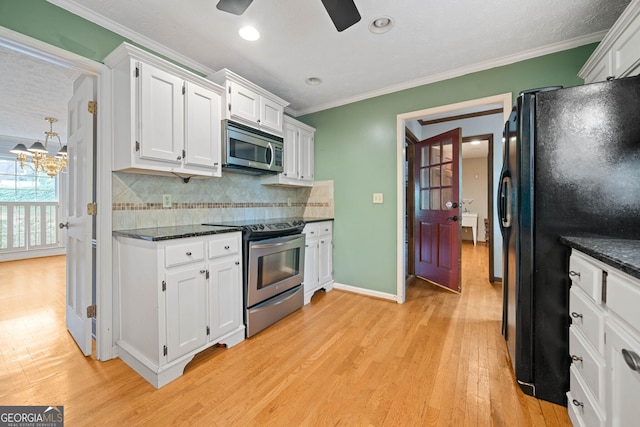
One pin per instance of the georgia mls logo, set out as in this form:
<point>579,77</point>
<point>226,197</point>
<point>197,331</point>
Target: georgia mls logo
<point>31,416</point>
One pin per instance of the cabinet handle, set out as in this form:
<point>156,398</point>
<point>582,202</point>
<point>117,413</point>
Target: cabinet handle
<point>632,359</point>
<point>226,247</point>
<point>576,358</point>
<point>576,403</point>
<point>188,253</point>
<point>610,78</point>
<point>576,315</point>
<point>574,274</point>
<point>203,271</point>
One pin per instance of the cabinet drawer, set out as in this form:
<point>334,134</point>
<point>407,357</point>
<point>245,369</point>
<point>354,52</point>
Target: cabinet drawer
<point>224,246</point>
<point>589,363</point>
<point>587,317</point>
<point>183,254</point>
<point>586,275</point>
<point>311,230</point>
<point>623,298</point>
<point>324,228</point>
<point>583,403</point>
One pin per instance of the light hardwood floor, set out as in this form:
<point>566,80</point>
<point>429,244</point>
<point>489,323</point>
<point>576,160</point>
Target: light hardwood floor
<point>344,359</point>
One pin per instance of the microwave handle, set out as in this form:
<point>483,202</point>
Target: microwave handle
<point>270,155</point>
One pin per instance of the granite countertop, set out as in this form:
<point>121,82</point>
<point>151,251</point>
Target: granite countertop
<point>175,232</point>
<point>622,254</point>
<point>309,219</point>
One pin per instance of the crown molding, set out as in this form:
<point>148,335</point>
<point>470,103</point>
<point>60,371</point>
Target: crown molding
<point>89,15</point>
<point>481,66</point>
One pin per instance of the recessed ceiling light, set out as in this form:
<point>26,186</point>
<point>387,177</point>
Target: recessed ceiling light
<point>249,33</point>
<point>313,81</point>
<point>381,25</point>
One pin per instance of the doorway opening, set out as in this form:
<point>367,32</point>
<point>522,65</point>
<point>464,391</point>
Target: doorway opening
<point>408,130</point>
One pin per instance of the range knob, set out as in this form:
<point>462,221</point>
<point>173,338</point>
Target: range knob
<point>254,227</point>
<point>261,226</point>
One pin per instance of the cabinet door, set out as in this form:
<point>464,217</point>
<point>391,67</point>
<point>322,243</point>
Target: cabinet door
<point>310,264</point>
<point>325,259</point>
<point>623,380</point>
<point>245,104</point>
<point>305,157</point>
<point>271,115</point>
<point>290,167</point>
<point>225,296</point>
<point>202,127</point>
<point>186,311</point>
<point>160,115</point>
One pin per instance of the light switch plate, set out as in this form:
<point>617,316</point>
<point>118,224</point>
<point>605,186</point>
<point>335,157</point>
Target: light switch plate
<point>166,201</point>
<point>378,198</point>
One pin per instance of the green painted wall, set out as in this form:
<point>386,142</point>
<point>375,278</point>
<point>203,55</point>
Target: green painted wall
<point>355,146</point>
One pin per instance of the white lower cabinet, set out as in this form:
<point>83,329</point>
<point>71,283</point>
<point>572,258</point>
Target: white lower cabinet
<point>318,258</point>
<point>176,298</point>
<point>604,344</point>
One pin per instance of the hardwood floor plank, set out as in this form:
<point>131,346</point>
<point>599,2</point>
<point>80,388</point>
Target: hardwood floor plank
<point>344,359</point>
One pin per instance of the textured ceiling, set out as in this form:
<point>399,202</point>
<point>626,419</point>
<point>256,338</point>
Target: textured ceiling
<point>429,41</point>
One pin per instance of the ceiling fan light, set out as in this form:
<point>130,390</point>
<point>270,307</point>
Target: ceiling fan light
<point>249,33</point>
<point>381,25</point>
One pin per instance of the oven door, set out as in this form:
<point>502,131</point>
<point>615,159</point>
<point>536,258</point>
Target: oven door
<point>274,266</point>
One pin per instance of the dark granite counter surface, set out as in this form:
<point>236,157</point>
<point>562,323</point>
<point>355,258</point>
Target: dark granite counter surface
<point>175,232</point>
<point>619,253</point>
<point>309,219</point>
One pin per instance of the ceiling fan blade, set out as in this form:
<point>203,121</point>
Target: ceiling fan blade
<point>343,13</point>
<point>237,7</point>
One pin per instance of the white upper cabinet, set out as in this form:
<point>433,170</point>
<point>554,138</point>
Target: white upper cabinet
<point>249,104</point>
<point>618,54</point>
<point>166,119</point>
<point>298,156</point>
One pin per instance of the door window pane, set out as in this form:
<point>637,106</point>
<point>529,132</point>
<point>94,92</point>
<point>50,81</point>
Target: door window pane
<point>435,155</point>
<point>435,176</point>
<point>447,174</point>
<point>435,199</point>
<point>424,199</point>
<point>424,178</point>
<point>447,151</point>
<point>424,156</point>
<point>447,196</point>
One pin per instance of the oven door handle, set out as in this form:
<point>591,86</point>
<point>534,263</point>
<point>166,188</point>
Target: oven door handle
<point>270,245</point>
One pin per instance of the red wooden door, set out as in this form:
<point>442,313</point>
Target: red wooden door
<point>437,212</point>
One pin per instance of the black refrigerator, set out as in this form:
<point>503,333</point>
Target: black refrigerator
<point>571,166</point>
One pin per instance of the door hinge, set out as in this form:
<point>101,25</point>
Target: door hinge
<point>92,311</point>
<point>183,90</point>
<point>229,106</point>
<point>92,106</point>
<point>92,209</point>
<point>206,276</point>
<point>164,350</point>
<point>137,146</point>
<point>137,72</point>
<point>184,154</point>
<point>208,331</point>
<point>164,286</point>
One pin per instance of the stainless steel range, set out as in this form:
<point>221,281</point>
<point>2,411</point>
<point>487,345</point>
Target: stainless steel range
<point>273,269</point>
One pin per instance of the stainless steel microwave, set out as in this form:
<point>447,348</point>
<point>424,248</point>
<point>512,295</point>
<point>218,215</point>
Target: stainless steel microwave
<point>249,150</point>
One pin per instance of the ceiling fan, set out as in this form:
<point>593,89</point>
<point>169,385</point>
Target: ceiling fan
<point>343,13</point>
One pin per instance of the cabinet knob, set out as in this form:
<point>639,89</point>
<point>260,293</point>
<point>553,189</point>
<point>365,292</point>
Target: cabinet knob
<point>237,262</point>
<point>632,359</point>
<point>63,225</point>
<point>203,271</point>
<point>301,176</point>
<point>188,253</point>
<point>226,247</point>
<point>610,78</point>
<point>576,358</point>
<point>577,403</point>
<point>576,315</point>
<point>574,274</point>
<point>179,158</point>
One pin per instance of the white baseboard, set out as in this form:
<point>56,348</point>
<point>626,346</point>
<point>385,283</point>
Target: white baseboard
<point>36,253</point>
<point>367,292</point>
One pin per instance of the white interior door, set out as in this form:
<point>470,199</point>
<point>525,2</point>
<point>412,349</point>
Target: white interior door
<point>81,126</point>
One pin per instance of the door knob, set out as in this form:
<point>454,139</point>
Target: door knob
<point>63,225</point>
<point>453,218</point>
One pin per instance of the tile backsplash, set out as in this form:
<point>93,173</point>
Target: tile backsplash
<point>137,200</point>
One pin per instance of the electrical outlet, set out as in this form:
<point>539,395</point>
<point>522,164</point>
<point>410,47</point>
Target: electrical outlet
<point>166,200</point>
<point>288,201</point>
<point>378,198</point>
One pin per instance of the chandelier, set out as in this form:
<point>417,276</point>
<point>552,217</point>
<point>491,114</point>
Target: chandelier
<point>40,161</point>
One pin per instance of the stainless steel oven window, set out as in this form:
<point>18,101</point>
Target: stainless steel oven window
<point>276,267</point>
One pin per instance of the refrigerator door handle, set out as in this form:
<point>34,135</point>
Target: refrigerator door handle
<point>505,202</point>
